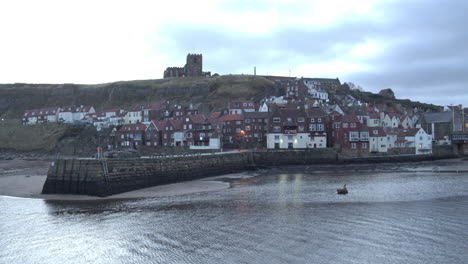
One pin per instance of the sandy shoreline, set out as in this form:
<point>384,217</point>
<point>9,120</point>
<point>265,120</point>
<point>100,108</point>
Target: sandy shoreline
<point>25,178</point>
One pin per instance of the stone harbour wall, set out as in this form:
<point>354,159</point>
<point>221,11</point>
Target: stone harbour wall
<point>88,177</point>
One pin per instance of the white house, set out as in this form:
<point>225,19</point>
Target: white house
<point>118,119</point>
<point>392,137</point>
<point>373,120</point>
<point>42,115</point>
<point>415,138</point>
<point>395,120</point>
<point>315,91</point>
<point>378,141</point>
<point>296,141</point>
<point>407,122</point>
<point>214,143</point>
<point>263,107</point>
<point>134,115</point>
<point>71,114</point>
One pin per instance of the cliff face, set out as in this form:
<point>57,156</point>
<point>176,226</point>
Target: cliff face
<point>15,98</point>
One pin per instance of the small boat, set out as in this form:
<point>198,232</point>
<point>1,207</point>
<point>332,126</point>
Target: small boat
<point>342,190</point>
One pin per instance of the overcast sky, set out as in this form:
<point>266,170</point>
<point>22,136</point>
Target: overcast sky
<point>418,48</point>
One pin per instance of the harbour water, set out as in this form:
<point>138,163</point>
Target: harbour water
<point>279,216</point>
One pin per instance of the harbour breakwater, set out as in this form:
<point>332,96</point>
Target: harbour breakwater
<point>112,176</point>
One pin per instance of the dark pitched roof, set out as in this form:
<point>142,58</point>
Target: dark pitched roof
<point>232,118</point>
<point>408,132</point>
<point>214,115</point>
<point>348,119</point>
<point>377,132</point>
<point>133,127</point>
<point>441,117</point>
<point>197,119</point>
<point>256,115</point>
<point>315,112</point>
<point>177,124</point>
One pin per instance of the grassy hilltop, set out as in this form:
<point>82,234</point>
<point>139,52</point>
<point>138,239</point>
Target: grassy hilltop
<point>15,98</point>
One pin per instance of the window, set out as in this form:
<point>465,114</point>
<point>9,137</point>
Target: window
<point>289,119</point>
<point>345,125</point>
<point>300,119</point>
<point>312,120</point>
<point>238,130</point>
<point>364,135</point>
<point>354,136</point>
<point>364,145</point>
<point>353,125</point>
<point>276,119</point>
<point>277,137</point>
<point>320,127</point>
<point>247,121</point>
<point>312,127</point>
<point>276,129</point>
<point>247,128</point>
<point>238,122</point>
<point>319,120</point>
<point>353,145</point>
<point>290,137</point>
<point>301,128</point>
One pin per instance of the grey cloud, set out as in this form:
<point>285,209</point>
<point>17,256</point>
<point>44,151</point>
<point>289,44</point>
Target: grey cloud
<point>427,53</point>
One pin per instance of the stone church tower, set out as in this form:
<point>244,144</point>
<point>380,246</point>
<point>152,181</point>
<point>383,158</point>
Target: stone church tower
<point>193,68</point>
<point>194,65</point>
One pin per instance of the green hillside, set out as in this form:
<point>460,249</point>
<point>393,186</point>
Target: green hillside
<point>15,98</point>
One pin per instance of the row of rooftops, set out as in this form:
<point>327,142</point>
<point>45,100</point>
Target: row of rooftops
<point>55,110</point>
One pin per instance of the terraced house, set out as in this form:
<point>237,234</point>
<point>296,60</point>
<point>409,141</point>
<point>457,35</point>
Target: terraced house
<point>295,129</point>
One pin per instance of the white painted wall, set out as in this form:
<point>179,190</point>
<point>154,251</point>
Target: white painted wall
<point>298,141</point>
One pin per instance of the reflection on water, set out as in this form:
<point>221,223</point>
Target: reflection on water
<point>275,218</point>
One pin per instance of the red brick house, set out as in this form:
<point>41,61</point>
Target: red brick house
<point>232,128</point>
<point>296,89</point>
<point>153,135</point>
<point>169,131</point>
<point>349,133</point>
<point>255,126</point>
<point>131,135</point>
